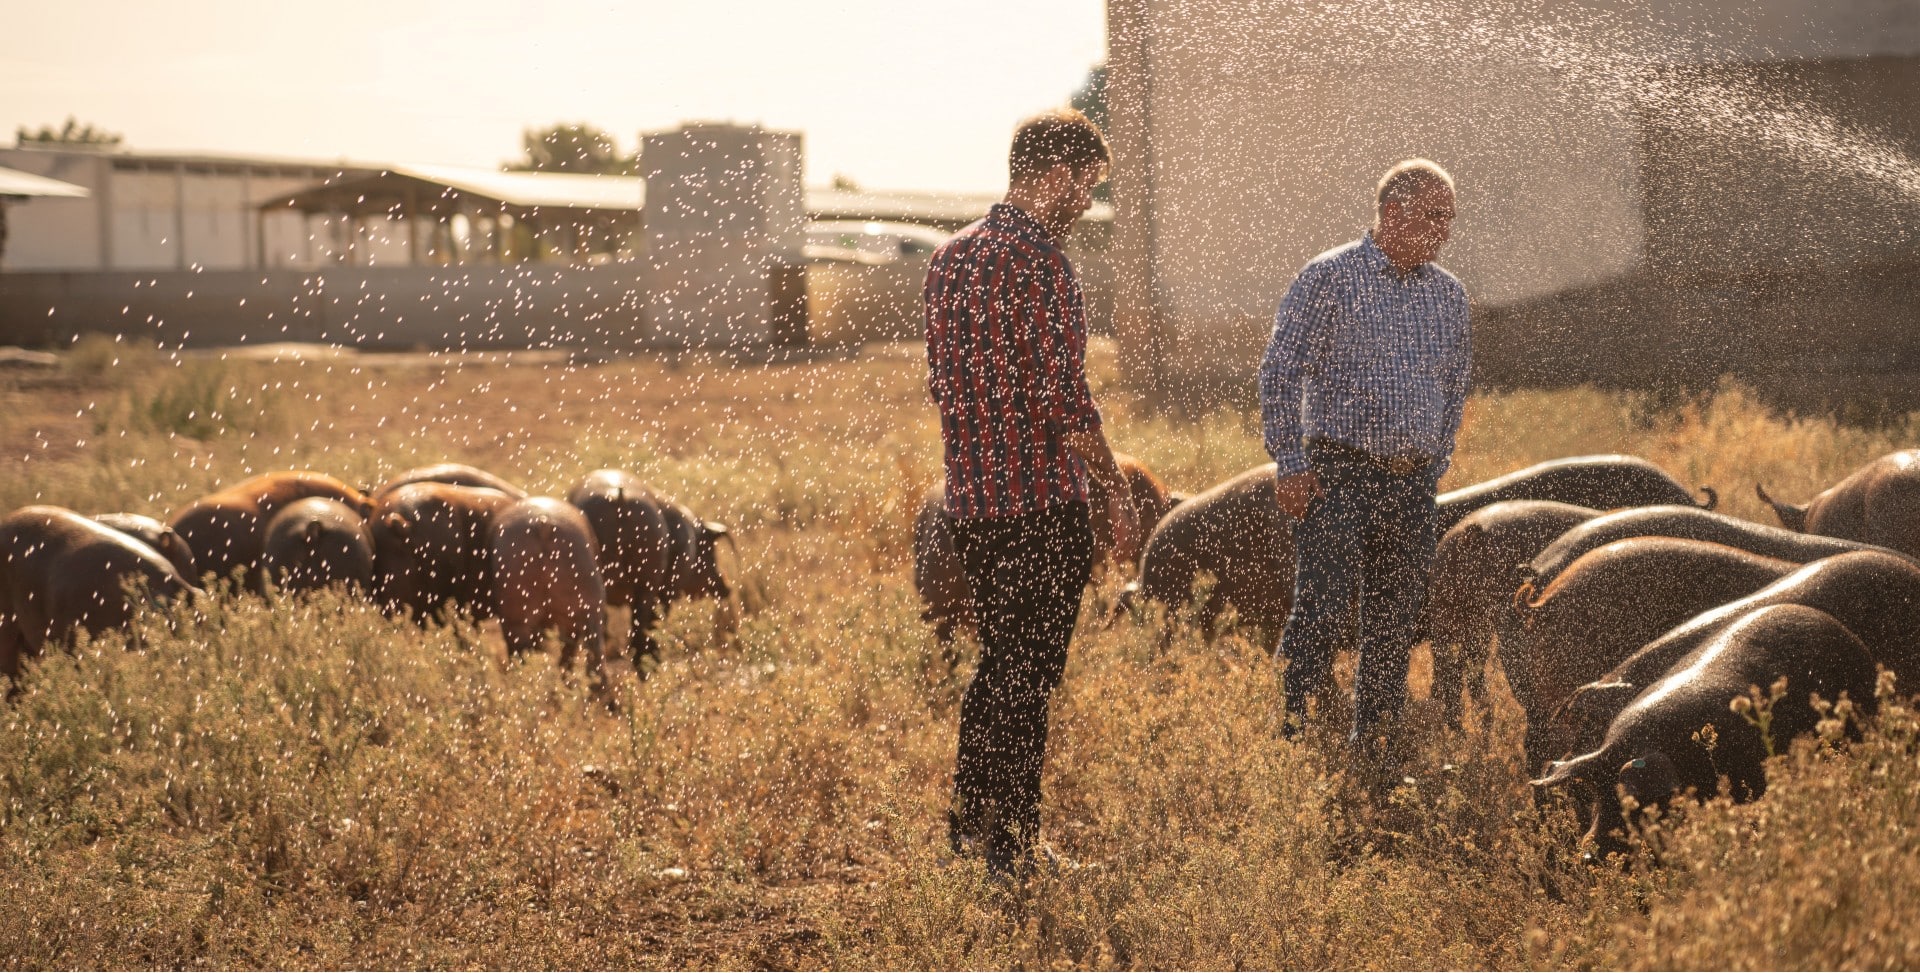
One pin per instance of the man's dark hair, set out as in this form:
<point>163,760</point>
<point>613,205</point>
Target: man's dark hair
<point>1051,138</point>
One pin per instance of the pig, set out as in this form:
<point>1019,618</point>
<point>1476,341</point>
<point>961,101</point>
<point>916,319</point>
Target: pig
<point>1608,604</point>
<point>1657,747</point>
<point>1877,504</point>
<point>226,529</point>
<point>1235,533</point>
<point>1471,587</point>
<point>546,576</point>
<point>652,552</point>
<point>433,552</point>
<point>1875,595</point>
<point>941,580</point>
<point>62,573</point>
<point>318,542</point>
<point>158,536</point>
<point>456,474</point>
<point>1688,522</point>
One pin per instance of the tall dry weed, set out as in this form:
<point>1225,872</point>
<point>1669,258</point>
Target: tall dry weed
<point>311,784</point>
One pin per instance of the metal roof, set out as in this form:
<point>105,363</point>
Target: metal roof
<point>408,185</point>
<point>559,190</point>
<point>555,190</point>
<point>124,156</point>
<point>389,188</point>
<point>13,182</point>
<point>828,203</point>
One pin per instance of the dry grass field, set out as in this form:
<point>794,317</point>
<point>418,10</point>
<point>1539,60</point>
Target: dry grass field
<point>314,785</point>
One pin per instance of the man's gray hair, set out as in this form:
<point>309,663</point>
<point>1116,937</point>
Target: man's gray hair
<point>1406,179</point>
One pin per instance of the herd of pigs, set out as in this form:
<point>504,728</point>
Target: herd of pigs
<point>1627,615</point>
<point>431,540</point>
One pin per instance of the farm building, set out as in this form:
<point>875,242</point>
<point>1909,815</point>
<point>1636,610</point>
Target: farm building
<point>226,249</point>
<point>1634,206</point>
<point>17,187</point>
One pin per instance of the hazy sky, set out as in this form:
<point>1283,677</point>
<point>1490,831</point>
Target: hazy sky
<point>895,93</point>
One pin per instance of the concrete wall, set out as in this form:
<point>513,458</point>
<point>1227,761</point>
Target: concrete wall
<point>520,306</point>
<point>1836,184</point>
<point>1249,136</point>
<point>472,306</point>
<point>724,231</point>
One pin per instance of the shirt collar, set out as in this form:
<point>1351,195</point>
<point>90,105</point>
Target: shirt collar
<point>1378,257</point>
<point>1020,218</point>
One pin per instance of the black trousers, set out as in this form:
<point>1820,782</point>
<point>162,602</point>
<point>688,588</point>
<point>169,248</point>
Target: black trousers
<point>1027,573</point>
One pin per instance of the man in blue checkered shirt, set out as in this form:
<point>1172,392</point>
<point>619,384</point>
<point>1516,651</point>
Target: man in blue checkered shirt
<point>1361,392</point>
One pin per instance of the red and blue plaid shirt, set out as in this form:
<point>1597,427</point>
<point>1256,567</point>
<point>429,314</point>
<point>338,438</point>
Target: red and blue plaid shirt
<point>1006,364</point>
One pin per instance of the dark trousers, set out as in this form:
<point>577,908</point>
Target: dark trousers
<point>1362,553</point>
<point>1027,574</point>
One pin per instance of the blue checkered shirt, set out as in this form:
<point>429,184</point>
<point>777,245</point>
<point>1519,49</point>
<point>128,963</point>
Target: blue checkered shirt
<point>1367,355</point>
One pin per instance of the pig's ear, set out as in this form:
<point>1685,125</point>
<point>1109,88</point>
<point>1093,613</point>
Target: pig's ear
<point>1650,778</point>
<point>714,529</point>
<point>1563,772</point>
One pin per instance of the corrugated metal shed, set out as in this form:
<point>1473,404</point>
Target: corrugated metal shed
<point>535,190</point>
<point>14,183</point>
<point>410,187</point>
<point>949,210</point>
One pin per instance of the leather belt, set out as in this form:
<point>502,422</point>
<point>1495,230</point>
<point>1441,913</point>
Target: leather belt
<point>1396,465</point>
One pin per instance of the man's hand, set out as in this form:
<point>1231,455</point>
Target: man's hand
<point>1128,531</point>
<point>1293,493</point>
<point>1091,446</point>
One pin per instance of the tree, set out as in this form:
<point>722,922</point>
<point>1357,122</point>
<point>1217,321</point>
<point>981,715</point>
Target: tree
<point>1091,101</point>
<point>71,135</point>
<point>573,147</point>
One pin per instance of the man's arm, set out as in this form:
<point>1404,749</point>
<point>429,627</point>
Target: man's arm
<point>1304,314</point>
<point>1459,378</point>
<point>1062,333</point>
<point>1092,448</point>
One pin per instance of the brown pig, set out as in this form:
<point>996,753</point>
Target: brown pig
<point>1657,745</point>
<point>317,542</point>
<point>652,552</point>
<point>456,474</point>
<point>1235,533</point>
<point>227,528</point>
<point>1471,585</point>
<point>941,580</point>
<point>433,549</point>
<point>1878,504</point>
<point>546,576</point>
<point>61,572</point>
<point>1875,595</point>
<point>158,536</point>
<point>1608,604</point>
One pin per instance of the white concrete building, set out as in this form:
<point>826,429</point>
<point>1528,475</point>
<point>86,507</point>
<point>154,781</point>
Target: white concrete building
<point>153,211</point>
<point>1591,141</point>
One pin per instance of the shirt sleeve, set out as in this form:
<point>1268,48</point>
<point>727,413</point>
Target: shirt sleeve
<point>933,329</point>
<point>1460,374</point>
<point>1061,335</point>
<point>1304,316</point>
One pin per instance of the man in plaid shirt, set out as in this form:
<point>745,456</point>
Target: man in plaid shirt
<point>1006,365</point>
<point>1361,393</point>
